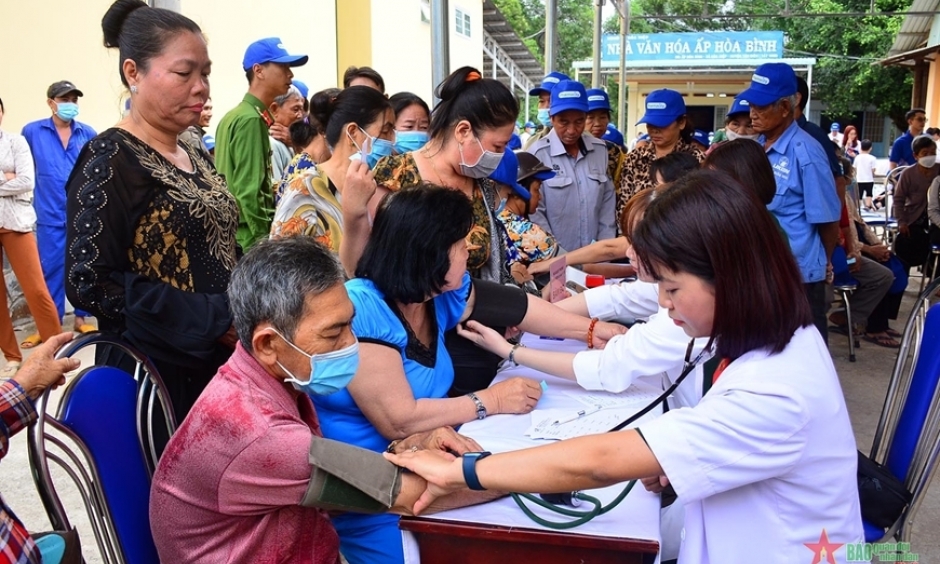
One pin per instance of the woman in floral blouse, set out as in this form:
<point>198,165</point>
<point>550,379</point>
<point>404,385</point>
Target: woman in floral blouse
<point>670,131</point>
<point>329,201</point>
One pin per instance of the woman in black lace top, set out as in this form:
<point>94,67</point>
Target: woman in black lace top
<point>151,233</point>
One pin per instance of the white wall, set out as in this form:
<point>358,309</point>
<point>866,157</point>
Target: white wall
<point>231,25</point>
<point>50,40</point>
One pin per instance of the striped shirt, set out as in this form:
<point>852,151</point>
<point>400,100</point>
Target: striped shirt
<point>16,412</point>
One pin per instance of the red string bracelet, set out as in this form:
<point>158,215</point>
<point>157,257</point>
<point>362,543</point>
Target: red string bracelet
<point>590,335</point>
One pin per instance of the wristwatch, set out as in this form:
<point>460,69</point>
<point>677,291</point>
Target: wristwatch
<point>470,469</point>
<point>481,409</point>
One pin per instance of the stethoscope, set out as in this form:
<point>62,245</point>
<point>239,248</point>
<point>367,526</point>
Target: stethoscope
<point>556,502</point>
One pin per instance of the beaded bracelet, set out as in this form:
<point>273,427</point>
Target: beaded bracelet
<point>590,334</point>
<point>512,353</point>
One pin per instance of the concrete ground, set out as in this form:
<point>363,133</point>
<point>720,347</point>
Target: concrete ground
<point>864,383</point>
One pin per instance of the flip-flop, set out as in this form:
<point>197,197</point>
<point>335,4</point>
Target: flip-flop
<point>31,341</point>
<point>893,334</point>
<point>882,341</point>
<point>85,328</point>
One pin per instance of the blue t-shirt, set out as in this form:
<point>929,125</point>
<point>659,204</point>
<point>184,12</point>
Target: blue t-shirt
<point>54,164</point>
<point>806,196</point>
<point>376,322</point>
<point>902,152</point>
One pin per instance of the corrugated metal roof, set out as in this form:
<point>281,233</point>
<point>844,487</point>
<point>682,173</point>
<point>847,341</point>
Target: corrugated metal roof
<point>914,29</point>
<point>505,36</point>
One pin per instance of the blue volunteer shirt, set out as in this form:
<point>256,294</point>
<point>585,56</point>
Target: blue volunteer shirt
<point>53,166</point>
<point>902,152</point>
<point>806,196</point>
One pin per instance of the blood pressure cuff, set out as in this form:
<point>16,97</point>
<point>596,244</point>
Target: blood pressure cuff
<point>498,305</point>
<point>348,478</point>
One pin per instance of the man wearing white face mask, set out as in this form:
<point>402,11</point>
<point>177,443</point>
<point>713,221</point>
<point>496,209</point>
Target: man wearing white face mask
<point>55,143</point>
<point>578,204</point>
<point>247,474</point>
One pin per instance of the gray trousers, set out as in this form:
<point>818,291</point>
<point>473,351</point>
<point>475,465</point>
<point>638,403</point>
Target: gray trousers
<point>874,281</point>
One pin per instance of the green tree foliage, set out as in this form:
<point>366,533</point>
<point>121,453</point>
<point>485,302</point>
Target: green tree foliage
<point>846,47</point>
<point>845,77</point>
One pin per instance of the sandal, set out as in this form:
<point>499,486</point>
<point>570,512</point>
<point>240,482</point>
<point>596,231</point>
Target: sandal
<point>10,369</point>
<point>838,318</point>
<point>882,340</point>
<point>892,333</point>
<point>31,341</point>
<point>85,328</point>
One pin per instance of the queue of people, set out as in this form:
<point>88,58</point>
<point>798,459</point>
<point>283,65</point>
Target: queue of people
<point>347,273</point>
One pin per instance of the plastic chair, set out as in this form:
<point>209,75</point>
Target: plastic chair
<point>109,454</point>
<point>907,439</point>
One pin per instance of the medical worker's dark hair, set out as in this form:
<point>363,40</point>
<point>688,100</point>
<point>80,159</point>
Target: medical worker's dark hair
<point>708,225</point>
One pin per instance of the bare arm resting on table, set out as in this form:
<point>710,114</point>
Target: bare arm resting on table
<point>582,463</point>
<point>599,251</point>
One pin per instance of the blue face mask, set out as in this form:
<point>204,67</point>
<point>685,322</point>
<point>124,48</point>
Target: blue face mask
<point>67,111</point>
<point>408,141</point>
<point>378,148</point>
<point>544,118</point>
<point>329,372</point>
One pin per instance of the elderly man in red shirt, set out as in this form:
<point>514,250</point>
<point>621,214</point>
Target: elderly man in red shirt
<point>248,477</point>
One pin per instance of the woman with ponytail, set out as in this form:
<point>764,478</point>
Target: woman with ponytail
<point>360,127</point>
<point>470,129</point>
<point>151,240</point>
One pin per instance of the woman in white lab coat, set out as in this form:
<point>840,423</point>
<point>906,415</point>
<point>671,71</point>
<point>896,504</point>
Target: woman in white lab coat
<point>766,462</point>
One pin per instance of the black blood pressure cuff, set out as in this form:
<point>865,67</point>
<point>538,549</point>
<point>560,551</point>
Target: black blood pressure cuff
<point>348,478</point>
<point>498,305</point>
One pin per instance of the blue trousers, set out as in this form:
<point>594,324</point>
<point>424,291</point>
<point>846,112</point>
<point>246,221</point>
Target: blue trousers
<point>51,242</point>
<point>369,539</point>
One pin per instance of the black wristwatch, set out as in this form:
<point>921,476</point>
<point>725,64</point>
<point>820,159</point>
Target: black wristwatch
<point>470,469</point>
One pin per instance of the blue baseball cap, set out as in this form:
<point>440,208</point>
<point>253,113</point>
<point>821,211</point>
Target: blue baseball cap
<point>663,107</point>
<point>304,91</point>
<point>568,95</point>
<point>515,142</point>
<point>643,137</point>
<point>270,50</point>
<point>529,124</point>
<point>613,135</point>
<point>769,83</point>
<point>209,141</point>
<point>548,83</point>
<point>739,106</point>
<point>701,137</point>
<point>597,99</point>
<point>506,174</point>
<point>834,127</point>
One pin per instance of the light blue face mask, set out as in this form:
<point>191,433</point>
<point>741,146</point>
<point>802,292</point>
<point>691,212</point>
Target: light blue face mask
<point>67,111</point>
<point>329,372</point>
<point>378,148</point>
<point>408,141</point>
<point>543,117</point>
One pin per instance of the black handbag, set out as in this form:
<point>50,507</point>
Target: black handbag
<point>914,248</point>
<point>881,495</point>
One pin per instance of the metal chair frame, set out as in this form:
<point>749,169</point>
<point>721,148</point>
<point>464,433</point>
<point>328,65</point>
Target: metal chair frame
<point>845,292</point>
<point>889,228</point>
<point>83,471</point>
<point>927,451</point>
